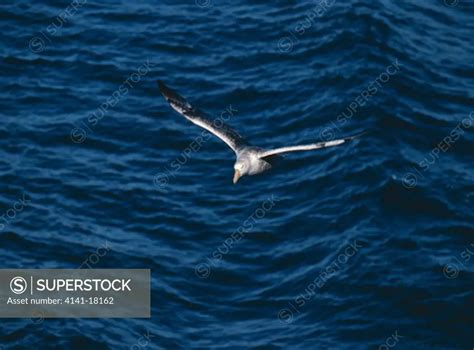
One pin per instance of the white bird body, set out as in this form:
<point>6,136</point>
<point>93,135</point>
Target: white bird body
<point>250,160</point>
<point>251,155</point>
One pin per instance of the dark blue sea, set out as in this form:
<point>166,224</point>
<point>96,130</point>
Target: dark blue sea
<point>367,245</point>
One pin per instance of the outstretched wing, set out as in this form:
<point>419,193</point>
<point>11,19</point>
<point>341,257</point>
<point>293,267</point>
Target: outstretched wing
<point>308,147</point>
<point>216,127</point>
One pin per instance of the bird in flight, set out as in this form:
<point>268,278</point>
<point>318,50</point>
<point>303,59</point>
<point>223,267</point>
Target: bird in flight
<point>249,160</point>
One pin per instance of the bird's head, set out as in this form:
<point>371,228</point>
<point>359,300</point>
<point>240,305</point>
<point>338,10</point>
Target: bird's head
<point>241,168</point>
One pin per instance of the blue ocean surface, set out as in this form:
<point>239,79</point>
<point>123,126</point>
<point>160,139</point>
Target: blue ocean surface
<point>367,245</point>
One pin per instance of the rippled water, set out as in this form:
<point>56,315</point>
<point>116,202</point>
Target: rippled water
<point>362,246</point>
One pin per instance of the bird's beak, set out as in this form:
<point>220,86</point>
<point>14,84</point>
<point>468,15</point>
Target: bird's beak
<point>236,176</point>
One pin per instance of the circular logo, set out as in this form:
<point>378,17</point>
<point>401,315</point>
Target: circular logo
<point>285,316</point>
<point>285,44</point>
<point>327,134</point>
<point>202,270</point>
<point>451,271</point>
<point>38,317</point>
<point>161,180</point>
<point>36,44</point>
<point>203,3</point>
<point>18,285</point>
<point>409,180</point>
<point>78,135</point>
<point>451,3</point>
<point>466,122</point>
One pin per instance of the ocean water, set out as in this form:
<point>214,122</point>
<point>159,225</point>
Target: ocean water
<point>367,245</point>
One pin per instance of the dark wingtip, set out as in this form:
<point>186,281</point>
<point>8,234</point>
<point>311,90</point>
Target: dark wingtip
<point>172,96</point>
<point>161,85</point>
<point>165,90</point>
<point>356,136</point>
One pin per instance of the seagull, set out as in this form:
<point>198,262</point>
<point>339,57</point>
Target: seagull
<point>249,160</point>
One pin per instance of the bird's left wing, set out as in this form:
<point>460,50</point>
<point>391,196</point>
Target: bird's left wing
<point>183,107</point>
<point>307,147</point>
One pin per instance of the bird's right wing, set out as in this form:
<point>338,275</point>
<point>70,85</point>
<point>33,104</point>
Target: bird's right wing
<point>307,147</point>
<point>183,107</point>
